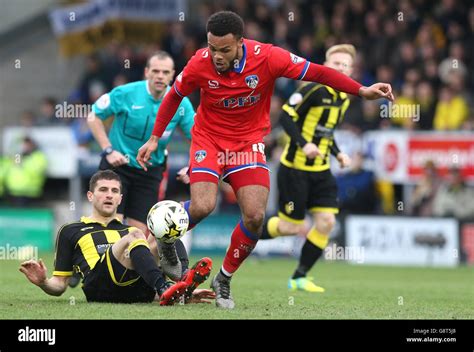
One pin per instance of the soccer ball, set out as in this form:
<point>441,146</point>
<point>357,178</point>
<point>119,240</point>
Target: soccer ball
<point>168,221</point>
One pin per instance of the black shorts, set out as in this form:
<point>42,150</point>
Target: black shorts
<point>109,281</point>
<point>140,189</point>
<point>305,190</point>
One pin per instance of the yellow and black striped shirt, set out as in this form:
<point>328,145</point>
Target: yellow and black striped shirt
<point>79,245</point>
<point>317,110</point>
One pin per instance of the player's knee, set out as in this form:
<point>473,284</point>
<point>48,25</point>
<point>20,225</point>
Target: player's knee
<point>201,208</point>
<point>136,234</point>
<point>325,222</point>
<point>253,219</point>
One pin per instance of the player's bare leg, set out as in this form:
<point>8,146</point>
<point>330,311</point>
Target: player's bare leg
<point>253,201</point>
<point>121,252</point>
<point>203,201</point>
<point>277,227</point>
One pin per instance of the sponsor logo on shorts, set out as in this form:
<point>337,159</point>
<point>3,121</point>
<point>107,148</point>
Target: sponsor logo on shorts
<point>200,155</point>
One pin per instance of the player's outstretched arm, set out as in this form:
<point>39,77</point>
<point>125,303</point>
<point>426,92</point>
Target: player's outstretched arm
<point>36,273</point>
<point>341,82</point>
<point>165,114</point>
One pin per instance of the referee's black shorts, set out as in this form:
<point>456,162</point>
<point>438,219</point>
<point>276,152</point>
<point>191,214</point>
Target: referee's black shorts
<point>140,189</point>
<point>300,191</point>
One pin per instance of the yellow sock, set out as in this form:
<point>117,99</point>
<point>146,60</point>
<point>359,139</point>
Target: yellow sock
<point>317,238</point>
<point>272,226</point>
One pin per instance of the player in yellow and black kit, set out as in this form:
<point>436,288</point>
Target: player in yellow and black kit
<point>305,182</point>
<point>117,262</point>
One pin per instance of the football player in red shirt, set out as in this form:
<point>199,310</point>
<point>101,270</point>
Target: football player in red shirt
<point>236,77</point>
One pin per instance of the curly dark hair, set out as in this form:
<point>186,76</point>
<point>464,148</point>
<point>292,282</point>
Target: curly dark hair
<point>225,22</point>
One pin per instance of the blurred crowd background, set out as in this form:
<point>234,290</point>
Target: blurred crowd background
<point>423,48</point>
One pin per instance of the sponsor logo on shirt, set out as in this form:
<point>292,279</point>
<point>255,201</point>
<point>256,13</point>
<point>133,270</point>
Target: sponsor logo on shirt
<point>137,107</point>
<point>213,84</point>
<point>239,102</point>
<point>256,49</point>
<point>102,248</point>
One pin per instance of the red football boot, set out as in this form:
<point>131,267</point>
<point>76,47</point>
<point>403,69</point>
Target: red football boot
<point>196,275</point>
<point>173,294</point>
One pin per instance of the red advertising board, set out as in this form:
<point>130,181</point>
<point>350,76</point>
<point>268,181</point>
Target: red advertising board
<point>445,151</point>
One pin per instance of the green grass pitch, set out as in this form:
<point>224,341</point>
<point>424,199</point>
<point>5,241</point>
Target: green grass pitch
<point>259,289</point>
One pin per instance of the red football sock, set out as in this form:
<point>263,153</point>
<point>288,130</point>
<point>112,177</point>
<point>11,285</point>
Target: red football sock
<point>242,243</point>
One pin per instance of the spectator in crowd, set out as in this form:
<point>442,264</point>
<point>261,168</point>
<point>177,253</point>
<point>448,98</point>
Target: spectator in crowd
<point>451,111</point>
<point>25,176</point>
<point>47,115</point>
<point>27,119</point>
<point>95,74</point>
<point>454,198</point>
<point>425,191</point>
<point>4,167</point>
<point>357,189</point>
<point>405,104</point>
<point>427,101</point>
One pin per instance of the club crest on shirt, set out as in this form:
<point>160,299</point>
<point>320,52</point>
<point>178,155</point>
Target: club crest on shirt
<point>200,155</point>
<point>252,81</point>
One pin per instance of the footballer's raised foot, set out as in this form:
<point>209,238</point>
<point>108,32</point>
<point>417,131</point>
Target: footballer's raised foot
<point>169,261</point>
<point>304,284</point>
<point>197,275</point>
<point>221,286</point>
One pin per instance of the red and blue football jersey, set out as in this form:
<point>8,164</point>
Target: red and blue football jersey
<point>235,105</point>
